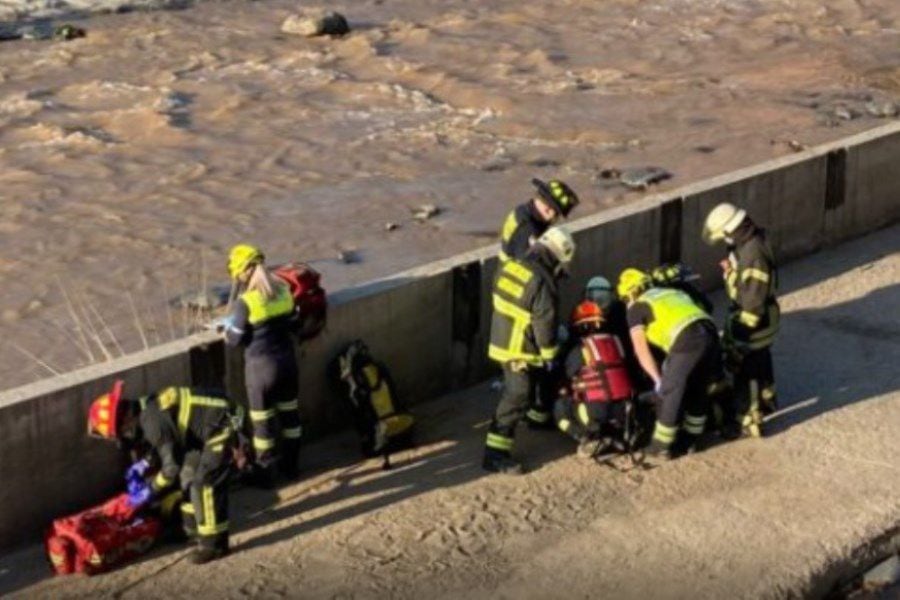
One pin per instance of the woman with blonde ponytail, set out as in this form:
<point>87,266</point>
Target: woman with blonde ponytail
<point>262,321</point>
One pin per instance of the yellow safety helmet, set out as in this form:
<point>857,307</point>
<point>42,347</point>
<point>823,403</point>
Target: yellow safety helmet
<point>632,281</point>
<point>723,220</point>
<point>241,257</point>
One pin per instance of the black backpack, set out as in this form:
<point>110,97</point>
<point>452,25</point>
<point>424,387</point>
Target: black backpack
<point>382,422</point>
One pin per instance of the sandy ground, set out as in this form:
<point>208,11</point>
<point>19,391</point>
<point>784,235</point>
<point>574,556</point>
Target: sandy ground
<point>751,519</point>
<point>132,159</point>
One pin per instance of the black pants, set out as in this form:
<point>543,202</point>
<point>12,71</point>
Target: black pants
<point>519,391</point>
<point>754,385</point>
<point>694,365</point>
<point>204,480</point>
<point>274,409</point>
<point>586,420</point>
<point>547,386</point>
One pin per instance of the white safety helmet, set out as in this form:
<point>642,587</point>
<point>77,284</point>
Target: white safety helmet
<point>560,243</point>
<point>600,290</point>
<point>722,221</point>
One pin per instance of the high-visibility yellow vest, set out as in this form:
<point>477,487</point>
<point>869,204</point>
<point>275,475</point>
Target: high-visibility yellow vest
<point>260,309</point>
<point>673,311</point>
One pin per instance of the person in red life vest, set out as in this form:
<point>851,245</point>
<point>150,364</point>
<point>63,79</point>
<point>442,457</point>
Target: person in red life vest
<point>592,405</point>
<point>192,436</point>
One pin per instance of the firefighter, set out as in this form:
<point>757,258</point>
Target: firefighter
<point>524,331</point>
<point>671,322</point>
<point>192,437</point>
<point>262,320</point>
<point>528,221</point>
<point>680,277</point>
<point>751,282</point>
<point>591,408</point>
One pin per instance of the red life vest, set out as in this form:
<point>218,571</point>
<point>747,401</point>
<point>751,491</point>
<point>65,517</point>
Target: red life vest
<point>603,378</point>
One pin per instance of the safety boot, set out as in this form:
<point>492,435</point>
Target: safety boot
<point>261,477</point>
<point>501,463</point>
<point>589,448</point>
<point>657,454</point>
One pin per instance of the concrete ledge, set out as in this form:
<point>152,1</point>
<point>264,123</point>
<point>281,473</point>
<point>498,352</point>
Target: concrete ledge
<point>431,323</point>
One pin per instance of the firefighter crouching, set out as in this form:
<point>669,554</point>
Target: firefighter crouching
<point>592,407</point>
<point>670,321</point>
<point>528,221</point>
<point>751,282</point>
<point>524,341</point>
<point>192,437</point>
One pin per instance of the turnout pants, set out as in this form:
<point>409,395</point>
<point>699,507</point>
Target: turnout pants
<point>204,480</point>
<point>519,391</point>
<point>754,386</point>
<point>586,420</point>
<point>687,374</point>
<point>274,409</point>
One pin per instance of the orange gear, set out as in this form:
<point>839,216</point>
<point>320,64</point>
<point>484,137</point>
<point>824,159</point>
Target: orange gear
<point>587,312</point>
<point>103,415</point>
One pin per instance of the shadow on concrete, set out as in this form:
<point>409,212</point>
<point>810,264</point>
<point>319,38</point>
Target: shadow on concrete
<point>450,440</point>
<point>449,455</point>
<point>836,356</point>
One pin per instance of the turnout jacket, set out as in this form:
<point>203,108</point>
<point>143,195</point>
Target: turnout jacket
<point>177,420</point>
<point>525,322</point>
<point>751,282</point>
<point>263,326</point>
<point>520,229</point>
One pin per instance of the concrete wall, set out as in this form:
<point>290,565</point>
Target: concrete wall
<point>431,324</point>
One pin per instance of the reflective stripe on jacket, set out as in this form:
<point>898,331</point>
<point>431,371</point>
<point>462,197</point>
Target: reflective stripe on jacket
<point>520,229</point>
<point>524,323</point>
<point>673,311</point>
<point>751,283</point>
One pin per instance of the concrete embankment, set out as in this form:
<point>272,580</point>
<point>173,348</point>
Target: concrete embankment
<point>430,324</point>
<point>787,516</point>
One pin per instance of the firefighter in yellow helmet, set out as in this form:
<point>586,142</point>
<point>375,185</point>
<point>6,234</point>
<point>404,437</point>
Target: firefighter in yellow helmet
<point>552,201</point>
<point>669,320</point>
<point>262,321</point>
<point>751,282</point>
<point>192,435</point>
<point>524,342</point>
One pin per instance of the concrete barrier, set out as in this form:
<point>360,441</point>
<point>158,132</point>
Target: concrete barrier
<point>431,324</point>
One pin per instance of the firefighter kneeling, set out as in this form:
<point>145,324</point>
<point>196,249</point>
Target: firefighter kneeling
<point>669,320</point>
<point>192,437</point>
<point>593,408</point>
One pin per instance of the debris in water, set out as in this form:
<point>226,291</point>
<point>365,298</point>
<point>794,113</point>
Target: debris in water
<point>348,257</point>
<point>425,212</point>
<point>883,110</point>
<point>795,145</point>
<point>211,298</point>
<point>845,113</point>
<point>636,179</point>
<point>705,149</point>
<point>40,30</point>
<point>390,226</point>
<point>315,24</point>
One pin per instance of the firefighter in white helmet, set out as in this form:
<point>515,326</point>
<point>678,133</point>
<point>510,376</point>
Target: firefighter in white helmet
<point>751,282</point>
<point>524,331</point>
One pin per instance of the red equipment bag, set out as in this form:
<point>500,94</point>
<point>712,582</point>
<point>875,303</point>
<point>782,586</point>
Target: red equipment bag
<point>309,297</point>
<point>604,377</point>
<point>100,538</point>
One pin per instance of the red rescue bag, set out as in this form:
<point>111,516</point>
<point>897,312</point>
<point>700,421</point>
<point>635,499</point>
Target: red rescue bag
<point>310,300</point>
<point>604,377</point>
<point>100,538</point>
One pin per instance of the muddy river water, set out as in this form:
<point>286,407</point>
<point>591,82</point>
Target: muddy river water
<point>131,159</point>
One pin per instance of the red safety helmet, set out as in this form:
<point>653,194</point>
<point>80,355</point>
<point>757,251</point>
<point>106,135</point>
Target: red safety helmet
<point>103,416</point>
<point>588,312</point>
